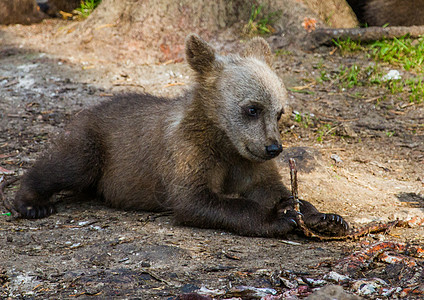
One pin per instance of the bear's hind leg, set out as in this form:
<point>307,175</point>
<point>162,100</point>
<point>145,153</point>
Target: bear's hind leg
<point>71,167</point>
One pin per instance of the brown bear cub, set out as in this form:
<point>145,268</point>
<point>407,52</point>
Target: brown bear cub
<point>206,156</point>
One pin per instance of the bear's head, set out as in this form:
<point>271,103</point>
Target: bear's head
<point>241,94</point>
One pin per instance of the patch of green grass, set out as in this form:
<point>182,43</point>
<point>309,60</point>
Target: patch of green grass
<point>261,23</point>
<point>346,77</point>
<point>412,89</point>
<point>404,52</point>
<point>303,119</point>
<point>350,77</point>
<point>348,46</point>
<point>297,117</point>
<point>323,76</point>
<point>390,133</point>
<point>87,7</point>
<point>328,19</point>
<point>416,88</point>
<point>357,95</point>
<point>281,52</point>
<point>373,74</point>
<point>319,65</point>
<point>301,91</point>
<point>395,86</point>
<point>323,131</point>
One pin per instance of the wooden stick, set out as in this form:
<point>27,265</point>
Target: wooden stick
<point>294,189</point>
<point>294,186</point>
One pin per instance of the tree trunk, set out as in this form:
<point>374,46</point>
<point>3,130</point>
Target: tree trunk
<point>335,13</point>
<point>65,5</point>
<point>156,29</point>
<point>19,12</point>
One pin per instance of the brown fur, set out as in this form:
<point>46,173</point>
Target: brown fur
<point>207,155</point>
<point>394,12</point>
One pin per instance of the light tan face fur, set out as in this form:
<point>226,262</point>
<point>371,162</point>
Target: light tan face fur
<point>241,94</point>
<point>249,85</point>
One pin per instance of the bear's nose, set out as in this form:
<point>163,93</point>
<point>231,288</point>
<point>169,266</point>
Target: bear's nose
<point>274,149</point>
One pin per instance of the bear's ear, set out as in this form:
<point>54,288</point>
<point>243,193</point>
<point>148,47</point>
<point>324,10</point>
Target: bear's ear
<point>258,48</point>
<point>199,54</point>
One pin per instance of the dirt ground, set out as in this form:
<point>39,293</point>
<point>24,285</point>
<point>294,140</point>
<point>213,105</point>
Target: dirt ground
<point>368,167</point>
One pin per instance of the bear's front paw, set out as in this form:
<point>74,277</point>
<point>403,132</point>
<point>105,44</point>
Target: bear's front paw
<point>327,224</point>
<point>287,221</point>
<point>36,211</point>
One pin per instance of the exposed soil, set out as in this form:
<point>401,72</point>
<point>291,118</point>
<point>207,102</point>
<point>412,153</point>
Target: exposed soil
<point>89,250</point>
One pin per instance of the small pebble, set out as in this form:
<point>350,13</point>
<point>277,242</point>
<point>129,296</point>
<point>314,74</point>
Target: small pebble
<point>336,158</point>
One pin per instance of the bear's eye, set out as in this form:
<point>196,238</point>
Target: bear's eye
<point>252,111</point>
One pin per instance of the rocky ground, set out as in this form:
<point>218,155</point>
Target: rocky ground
<point>363,158</point>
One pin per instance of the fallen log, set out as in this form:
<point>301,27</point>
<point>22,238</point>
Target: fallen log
<point>325,36</point>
